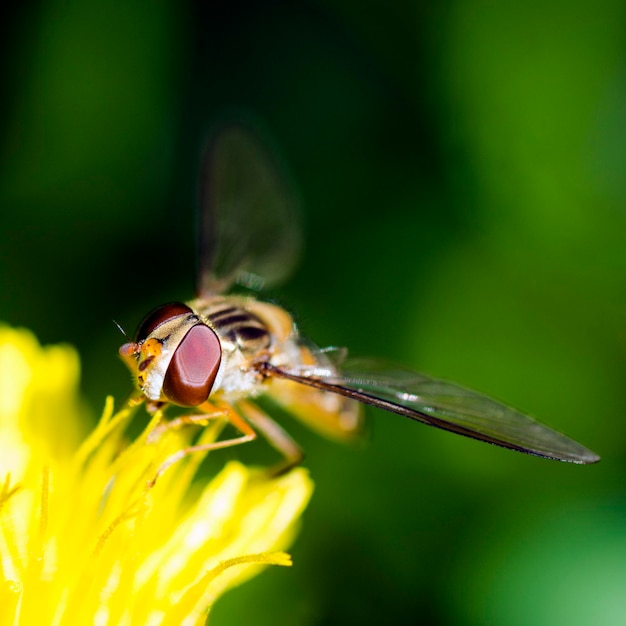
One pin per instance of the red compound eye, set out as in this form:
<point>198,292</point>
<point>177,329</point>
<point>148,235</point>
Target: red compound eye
<point>192,370</point>
<point>158,316</point>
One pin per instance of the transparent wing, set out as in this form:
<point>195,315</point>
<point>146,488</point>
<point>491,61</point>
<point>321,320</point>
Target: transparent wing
<point>443,405</point>
<point>248,227</point>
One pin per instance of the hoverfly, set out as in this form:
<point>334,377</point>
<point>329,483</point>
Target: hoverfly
<point>218,353</point>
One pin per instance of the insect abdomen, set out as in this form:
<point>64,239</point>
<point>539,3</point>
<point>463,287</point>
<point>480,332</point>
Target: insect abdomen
<point>237,325</point>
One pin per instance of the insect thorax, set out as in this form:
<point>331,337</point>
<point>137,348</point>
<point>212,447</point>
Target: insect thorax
<point>246,339</point>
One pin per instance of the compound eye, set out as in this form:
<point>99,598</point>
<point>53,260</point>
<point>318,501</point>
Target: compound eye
<point>158,316</point>
<point>193,368</point>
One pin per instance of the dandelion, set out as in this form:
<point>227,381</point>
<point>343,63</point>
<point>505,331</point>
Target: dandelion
<point>86,534</point>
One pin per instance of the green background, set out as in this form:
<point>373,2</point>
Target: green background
<point>462,171</point>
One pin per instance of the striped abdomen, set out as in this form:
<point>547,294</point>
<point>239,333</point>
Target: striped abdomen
<point>237,325</point>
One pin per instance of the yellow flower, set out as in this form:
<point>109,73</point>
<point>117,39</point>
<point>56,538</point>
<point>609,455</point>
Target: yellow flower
<point>87,536</point>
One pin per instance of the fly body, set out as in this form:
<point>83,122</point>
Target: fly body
<point>220,352</point>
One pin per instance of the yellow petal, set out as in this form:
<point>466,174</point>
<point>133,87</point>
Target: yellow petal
<point>88,537</point>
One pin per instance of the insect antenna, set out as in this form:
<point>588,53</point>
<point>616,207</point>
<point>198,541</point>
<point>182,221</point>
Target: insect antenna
<point>119,327</point>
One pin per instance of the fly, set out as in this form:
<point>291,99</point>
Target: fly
<point>218,353</point>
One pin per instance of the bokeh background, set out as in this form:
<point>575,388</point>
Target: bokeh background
<point>462,171</point>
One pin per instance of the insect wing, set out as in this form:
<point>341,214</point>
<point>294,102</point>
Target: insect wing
<point>248,227</point>
<point>326,412</point>
<point>443,405</point>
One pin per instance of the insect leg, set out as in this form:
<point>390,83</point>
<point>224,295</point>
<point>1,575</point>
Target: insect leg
<point>213,412</point>
<point>202,419</point>
<point>275,436</point>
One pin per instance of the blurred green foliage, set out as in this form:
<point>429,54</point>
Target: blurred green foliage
<point>461,169</point>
